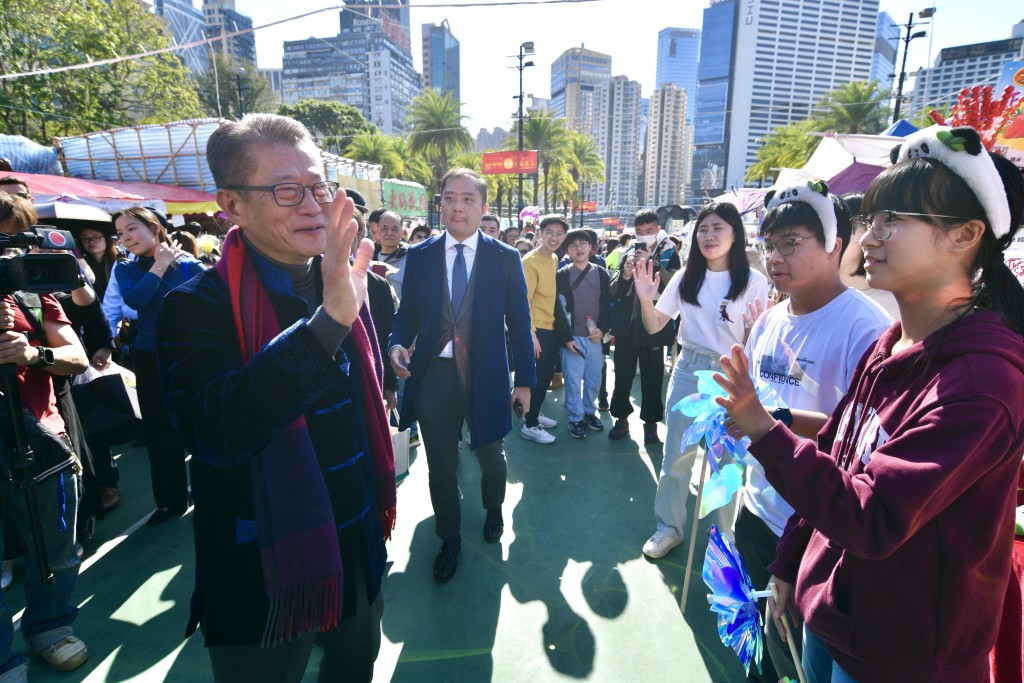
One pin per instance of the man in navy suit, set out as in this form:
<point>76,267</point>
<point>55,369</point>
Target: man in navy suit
<point>461,290</point>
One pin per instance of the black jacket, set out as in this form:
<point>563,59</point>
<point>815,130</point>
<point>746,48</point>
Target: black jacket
<point>565,302</point>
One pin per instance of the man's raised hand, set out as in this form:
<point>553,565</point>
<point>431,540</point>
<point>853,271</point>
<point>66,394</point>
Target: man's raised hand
<point>344,283</point>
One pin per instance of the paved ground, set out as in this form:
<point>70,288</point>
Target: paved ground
<point>566,595</point>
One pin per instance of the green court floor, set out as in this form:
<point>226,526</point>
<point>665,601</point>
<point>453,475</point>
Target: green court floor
<point>566,595</point>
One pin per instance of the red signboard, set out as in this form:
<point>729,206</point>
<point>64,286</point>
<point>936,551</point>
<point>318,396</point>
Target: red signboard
<point>609,221</point>
<point>510,163</point>
<point>585,206</point>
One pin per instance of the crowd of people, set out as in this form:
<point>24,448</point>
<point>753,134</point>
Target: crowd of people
<point>887,324</point>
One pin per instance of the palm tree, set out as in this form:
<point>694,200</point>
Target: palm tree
<point>785,147</point>
<point>417,167</point>
<point>583,162</point>
<point>857,107</point>
<point>546,134</point>
<point>376,148</point>
<point>436,125</point>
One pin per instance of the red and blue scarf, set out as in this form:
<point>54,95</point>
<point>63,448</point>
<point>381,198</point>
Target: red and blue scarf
<point>298,538</point>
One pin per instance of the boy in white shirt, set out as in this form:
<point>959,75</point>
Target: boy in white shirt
<point>806,348</point>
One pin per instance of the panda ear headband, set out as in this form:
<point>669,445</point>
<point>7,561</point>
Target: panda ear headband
<point>815,194</point>
<point>960,150</point>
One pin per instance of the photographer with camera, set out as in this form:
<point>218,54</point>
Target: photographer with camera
<point>49,615</point>
<point>633,345</point>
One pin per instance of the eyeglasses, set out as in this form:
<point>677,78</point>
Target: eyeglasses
<point>88,240</point>
<point>785,247</point>
<point>881,223</point>
<point>292,194</point>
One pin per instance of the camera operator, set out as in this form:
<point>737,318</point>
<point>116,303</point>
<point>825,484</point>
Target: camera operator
<point>49,615</point>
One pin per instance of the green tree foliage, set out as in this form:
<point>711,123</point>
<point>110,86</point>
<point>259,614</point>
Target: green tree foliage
<point>858,107</point>
<point>229,90</point>
<point>785,147</point>
<point>583,163</point>
<point>334,123</point>
<point>549,136</point>
<point>376,148</point>
<point>437,128</point>
<point>39,34</point>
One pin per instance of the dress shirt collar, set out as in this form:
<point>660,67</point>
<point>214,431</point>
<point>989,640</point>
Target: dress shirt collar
<point>470,241</point>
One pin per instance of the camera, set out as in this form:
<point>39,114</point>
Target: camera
<point>39,273</point>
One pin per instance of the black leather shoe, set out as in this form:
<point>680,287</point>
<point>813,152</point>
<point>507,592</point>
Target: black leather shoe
<point>494,526</point>
<point>160,516</point>
<point>619,430</point>
<point>447,561</point>
<point>651,433</point>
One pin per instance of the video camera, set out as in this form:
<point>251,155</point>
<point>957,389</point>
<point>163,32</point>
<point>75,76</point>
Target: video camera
<point>39,273</point>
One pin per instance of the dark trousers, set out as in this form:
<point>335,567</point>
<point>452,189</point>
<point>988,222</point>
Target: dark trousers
<point>441,410</point>
<point>166,452</point>
<point>756,543</point>
<point>545,371</point>
<point>652,376</point>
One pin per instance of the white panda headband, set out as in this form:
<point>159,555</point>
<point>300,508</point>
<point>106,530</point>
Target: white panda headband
<point>815,194</point>
<point>960,150</point>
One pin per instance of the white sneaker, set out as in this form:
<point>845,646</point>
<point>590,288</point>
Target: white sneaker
<point>660,544</point>
<point>66,654</point>
<point>546,422</point>
<point>536,434</point>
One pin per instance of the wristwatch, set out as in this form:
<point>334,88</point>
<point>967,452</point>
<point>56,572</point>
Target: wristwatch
<point>45,357</point>
<point>783,415</point>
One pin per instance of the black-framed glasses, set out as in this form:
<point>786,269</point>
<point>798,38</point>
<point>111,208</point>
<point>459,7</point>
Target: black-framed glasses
<point>785,246</point>
<point>292,194</point>
<point>881,223</point>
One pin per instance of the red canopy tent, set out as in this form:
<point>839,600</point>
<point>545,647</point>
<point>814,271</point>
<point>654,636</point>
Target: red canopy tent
<point>177,200</point>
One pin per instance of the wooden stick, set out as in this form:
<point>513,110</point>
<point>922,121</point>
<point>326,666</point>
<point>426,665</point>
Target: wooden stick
<point>789,635</point>
<point>693,535</point>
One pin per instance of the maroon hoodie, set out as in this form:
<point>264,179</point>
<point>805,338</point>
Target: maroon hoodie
<point>901,542</point>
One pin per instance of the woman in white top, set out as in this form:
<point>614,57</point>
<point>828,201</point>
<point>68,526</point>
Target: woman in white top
<point>709,296</point>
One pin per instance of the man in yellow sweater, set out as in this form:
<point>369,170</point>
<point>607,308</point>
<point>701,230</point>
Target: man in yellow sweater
<point>540,266</point>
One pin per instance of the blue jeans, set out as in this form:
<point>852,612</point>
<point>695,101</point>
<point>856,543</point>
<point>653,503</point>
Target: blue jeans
<point>49,612</point>
<point>582,370</point>
<point>818,663</point>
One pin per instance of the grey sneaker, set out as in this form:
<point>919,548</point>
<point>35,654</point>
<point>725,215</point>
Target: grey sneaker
<point>66,654</point>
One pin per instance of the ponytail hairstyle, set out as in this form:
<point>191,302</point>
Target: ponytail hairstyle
<point>926,186</point>
<point>697,265</point>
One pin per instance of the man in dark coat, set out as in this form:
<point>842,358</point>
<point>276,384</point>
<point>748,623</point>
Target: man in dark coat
<point>272,377</point>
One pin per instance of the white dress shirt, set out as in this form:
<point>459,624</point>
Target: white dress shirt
<point>450,253</point>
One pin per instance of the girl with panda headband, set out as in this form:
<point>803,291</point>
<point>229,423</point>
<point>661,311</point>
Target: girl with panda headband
<point>900,546</point>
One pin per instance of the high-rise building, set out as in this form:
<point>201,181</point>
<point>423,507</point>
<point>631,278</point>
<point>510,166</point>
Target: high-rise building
<point>185,25</point>
<point>274,78</point>
<point>364,66</point>
<point>221,18</point>
<point>962,67</point>
<point>786,60</point>
<point>712,109</point>
<point>574,75</point>
<point>616,104</point>
<point>887,45</point>
<point>487,141</point>
<point>665,163</point>
<point>678,55</point>
<point>440,58</point>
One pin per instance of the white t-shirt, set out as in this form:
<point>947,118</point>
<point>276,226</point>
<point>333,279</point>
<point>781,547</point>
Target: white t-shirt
<point>717,323</point>
<point>809,360</point>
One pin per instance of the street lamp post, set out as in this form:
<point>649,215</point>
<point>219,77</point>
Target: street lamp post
<point>906,48</point>
<point>524,49</point>
<point>241,85</point>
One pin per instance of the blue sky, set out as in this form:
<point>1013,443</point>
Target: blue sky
<point>626,29</point>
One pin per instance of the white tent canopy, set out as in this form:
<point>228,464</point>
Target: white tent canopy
<point>835,152</point>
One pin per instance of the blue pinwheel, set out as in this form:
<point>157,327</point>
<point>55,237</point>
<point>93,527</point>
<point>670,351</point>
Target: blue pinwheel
<point>709,425</point>
<point>733,599</point>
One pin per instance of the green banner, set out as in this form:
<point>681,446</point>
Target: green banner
<point>409,200</point>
